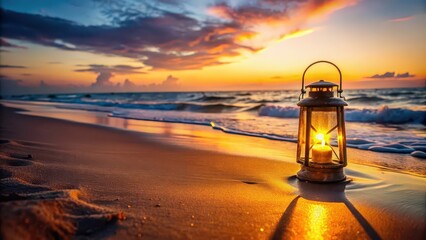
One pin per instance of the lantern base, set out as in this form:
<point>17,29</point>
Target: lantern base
<point>323,175</point>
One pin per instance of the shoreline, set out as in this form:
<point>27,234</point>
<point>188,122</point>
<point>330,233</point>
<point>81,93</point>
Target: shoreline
<point>399,162</point>
<point>168,191</point>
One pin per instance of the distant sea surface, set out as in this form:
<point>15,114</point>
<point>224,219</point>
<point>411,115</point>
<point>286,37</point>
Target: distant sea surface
<point>386,120</point>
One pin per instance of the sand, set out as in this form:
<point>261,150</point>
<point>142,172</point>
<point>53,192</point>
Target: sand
<point>82,180</point>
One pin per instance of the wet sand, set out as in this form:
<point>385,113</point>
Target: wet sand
<point>85,180</point>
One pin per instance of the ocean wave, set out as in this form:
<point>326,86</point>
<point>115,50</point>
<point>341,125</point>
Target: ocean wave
<point>180,106</point>
<point>255,107</point>
<point>383,115</point>
<point>367,99</point>
<point>402,93</point>
<point>206,98</point>
<point>279,111</point>
<point>386,115</point>
<point>264,101</point>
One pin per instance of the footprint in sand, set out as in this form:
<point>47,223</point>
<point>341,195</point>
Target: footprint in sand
<point>33,211</point>
<point>21,156</point>
<point>16,159</point>
<point>12,158</point>
<point>53,213</point>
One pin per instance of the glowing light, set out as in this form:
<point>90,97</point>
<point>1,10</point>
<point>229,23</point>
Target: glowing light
<point>339,137</point>
<point>320,137</point>
<point>317,221</point>
<point>212,124</point>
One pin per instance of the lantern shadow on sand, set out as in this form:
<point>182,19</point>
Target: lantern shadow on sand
<point>321,145</point>
<point>322,211</point>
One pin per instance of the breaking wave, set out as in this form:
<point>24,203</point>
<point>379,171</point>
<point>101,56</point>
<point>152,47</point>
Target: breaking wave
<point>383,114</point>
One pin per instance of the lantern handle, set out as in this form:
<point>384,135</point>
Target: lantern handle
<point>339,90</point>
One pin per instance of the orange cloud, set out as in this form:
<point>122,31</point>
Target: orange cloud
<point>322,8</point>
<point>297,33</point>
<point>269,20</point>
<point>245,36</point>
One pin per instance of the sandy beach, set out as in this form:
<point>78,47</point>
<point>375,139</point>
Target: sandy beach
<point>80,180</point>
<point>212,119</point>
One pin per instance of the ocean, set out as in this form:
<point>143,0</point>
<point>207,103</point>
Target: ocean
<point>385,120</point>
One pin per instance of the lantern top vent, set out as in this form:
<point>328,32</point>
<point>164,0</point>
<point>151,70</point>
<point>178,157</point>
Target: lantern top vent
<point>321,84</point>
<point>321,89</point>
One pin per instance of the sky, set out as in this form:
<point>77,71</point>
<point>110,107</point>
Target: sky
<point>49,46</point>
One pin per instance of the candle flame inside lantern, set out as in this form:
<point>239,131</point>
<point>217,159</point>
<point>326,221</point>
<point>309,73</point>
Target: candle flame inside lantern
<point>320,137</point>
<point>320,152</point>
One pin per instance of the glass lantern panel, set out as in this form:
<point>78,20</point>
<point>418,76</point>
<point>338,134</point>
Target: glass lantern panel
<point>341,139</point>
<point>301,135</point>
<point>323,135</point>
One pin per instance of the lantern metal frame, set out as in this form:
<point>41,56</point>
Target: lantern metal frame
<point>321,99</point>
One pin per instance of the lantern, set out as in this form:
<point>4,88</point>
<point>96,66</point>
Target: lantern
<point>321,145</point>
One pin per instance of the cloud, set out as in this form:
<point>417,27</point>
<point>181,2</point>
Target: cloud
<point>105,73</point>
<point>392,75</point>
<point>169,84</point>
<point>270,20</point>
<point>100,68</point>
<point>405,75</point>
<point>11,86</point>
<point>4,43</point>
<point>169,41</point>
<point>172,39</point>
<point>321,8</point>
<point>248,14</point>
<point>273,12</point>
<point>401,19</point>
<point>11,66</point>
<point>102,84</point>
<point>392,83</point>
<point>384,75</point>
<point>129,84</point>
<point>103,79</point>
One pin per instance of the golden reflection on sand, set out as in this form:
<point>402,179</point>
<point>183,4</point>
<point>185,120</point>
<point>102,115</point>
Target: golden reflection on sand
<point>306,219</point>
<point>316,221</point>
<point>322,211</point>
